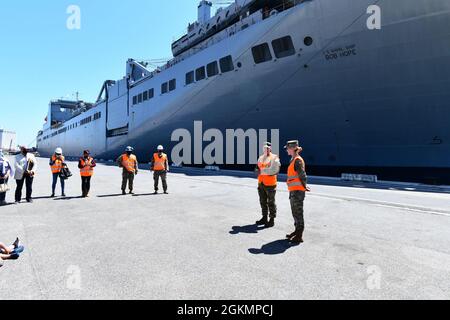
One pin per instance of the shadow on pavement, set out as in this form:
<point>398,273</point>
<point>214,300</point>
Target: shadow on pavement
<point>42,198</point>
<point>149,194</point>
<point>275,247</point>
<point>251,228</point>
<point>112,195</point>
<point>68,198</point>
<point>7,204</point>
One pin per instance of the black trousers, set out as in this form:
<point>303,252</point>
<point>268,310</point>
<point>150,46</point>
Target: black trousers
<point>29,187</point>
<point>85,185</point>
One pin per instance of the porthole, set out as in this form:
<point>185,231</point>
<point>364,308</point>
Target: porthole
<point>239,65</point>
<point>308,41</point>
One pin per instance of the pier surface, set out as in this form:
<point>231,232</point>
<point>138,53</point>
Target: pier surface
<point>362,241</point>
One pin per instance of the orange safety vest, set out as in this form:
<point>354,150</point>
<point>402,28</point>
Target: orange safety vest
<point>87,170</point>
<point>293,180</point>
<point>129,163</point>
<point>57,164</point>
<point>264,178</point>
<point>159,164</point>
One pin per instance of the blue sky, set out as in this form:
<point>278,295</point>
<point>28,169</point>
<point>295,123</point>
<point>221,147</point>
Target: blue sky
<point>41,60</point>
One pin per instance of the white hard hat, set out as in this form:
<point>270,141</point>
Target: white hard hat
<point>160,148</point>
<point>129,149</point>
<point>58,151</point>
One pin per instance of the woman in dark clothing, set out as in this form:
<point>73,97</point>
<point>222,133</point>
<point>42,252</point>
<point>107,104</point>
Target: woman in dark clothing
<point>86,164</point>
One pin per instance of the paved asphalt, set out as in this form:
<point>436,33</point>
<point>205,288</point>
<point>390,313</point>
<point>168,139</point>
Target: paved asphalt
<point>199,242</point>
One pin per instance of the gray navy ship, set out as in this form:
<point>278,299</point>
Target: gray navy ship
<point>361,98</point>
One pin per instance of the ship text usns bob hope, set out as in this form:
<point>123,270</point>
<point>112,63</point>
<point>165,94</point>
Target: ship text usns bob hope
<point>360,100</point>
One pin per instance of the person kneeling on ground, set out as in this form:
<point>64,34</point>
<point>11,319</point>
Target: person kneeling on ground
<point>11,252</point>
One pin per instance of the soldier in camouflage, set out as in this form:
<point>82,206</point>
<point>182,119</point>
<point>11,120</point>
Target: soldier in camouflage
<point>297,185</point>
<point>267,169</point>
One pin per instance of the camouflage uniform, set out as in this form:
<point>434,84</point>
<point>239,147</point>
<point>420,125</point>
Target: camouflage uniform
<point>127,177</point>
<point>267,200</point>
<point>297,198</point>
<point>163,175</point>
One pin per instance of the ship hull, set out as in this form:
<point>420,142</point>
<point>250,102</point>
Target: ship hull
<point>359,100</point>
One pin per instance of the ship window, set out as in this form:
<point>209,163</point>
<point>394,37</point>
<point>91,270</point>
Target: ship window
<point>226,64</point>
<point>261,53</point>
<point>308,41</point>
<point>151,93</point>
<point>200,74</point>
<point>172,84</point>
<point>140,98</point>
<point>190,77</point>
<point>283,47</point>
<point>135,100</point>
<point>164,88</point>
<point>145,96</point>
<point>212,69</point>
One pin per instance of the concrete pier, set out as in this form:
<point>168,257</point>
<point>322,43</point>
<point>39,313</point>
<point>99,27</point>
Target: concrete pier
<point>362,241</point>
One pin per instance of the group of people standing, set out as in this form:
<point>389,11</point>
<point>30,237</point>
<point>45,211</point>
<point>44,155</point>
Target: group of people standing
<point>23,172</point>
<point>86,164</point>
<point>129,163</point>
<point>25,168</point>
<point>268,168</point>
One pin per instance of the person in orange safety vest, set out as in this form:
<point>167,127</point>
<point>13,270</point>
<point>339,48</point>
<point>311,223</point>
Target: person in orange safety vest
<point>56,164</point>
<point>160,167</point>
<point>86,164</point>
<point>297,185</point>
<point>129,163</point>
<point>267,169</point>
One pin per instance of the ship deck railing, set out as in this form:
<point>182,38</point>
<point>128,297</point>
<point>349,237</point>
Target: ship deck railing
<point>227,33</point>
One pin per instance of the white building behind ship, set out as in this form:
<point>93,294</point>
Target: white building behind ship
<point>7,140</point>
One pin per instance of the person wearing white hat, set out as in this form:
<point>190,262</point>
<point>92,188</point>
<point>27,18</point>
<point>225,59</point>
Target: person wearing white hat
<point>56,164</point>
<point>160,167</point>
<point>25,168</point>
<point>267,169</point>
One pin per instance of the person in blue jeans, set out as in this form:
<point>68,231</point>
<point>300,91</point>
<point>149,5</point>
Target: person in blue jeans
<point>11,252</point>
<point>56,164</point>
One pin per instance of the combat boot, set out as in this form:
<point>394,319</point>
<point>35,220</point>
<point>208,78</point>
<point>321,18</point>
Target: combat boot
<point>291,235</point>
<point>298,238</point>
<point>270,223</point>
<point>262,222</point>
